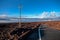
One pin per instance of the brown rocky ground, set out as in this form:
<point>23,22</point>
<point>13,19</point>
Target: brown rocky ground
<point>51,24</point>
<point>13,29</point>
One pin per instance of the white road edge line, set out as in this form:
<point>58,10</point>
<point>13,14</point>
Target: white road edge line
<point>39,33</point>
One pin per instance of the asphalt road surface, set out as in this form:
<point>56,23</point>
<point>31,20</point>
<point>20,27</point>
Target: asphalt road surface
<point>50,34</point>
<point>46,34</point>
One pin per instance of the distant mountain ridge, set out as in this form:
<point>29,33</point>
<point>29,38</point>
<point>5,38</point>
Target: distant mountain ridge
<point>16,19</point>
<point>8,19</point>
<point>39,19</point>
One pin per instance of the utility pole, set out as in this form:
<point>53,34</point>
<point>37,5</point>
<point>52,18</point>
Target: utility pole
<point>20,7</point>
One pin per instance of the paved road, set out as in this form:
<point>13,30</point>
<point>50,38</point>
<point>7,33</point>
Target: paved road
<point>51,34</point>
<point>48,34</point>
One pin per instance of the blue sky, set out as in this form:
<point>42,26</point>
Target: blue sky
<point>10,7</point>
<point>33,8</point>
<point>30,8</point>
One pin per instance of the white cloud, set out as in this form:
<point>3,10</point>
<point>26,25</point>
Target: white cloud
<point>3,16</point>
<point>41,15</point>
<point>44,15</point>
<point>53,14</point>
